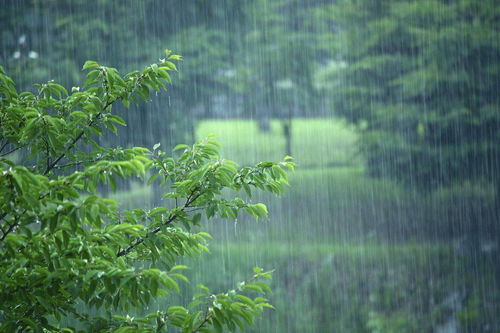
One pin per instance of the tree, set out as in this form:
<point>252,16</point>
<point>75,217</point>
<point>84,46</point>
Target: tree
<point>421,80</point>
<point>276,80</point>
<point>65,251</point>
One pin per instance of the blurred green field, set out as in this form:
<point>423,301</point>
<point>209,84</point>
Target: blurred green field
<point>315,142</point>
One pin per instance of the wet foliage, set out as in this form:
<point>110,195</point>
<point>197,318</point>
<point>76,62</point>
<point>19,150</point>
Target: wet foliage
<point>65,249</point>
<point>391,110</point>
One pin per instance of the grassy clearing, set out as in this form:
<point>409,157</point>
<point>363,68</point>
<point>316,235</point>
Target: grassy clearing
<point>315,142</point>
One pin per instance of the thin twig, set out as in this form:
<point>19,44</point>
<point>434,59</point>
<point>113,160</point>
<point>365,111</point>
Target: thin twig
<point>139,241</point>
<point>208,316</point>
<point>194,209</point>
<point>79,136</point>
<point>4,144</point>
<point>47,152</point>
<point>12,150</point>
<point>75,163</point>
<point>9,230</point>
<point>75,140</point>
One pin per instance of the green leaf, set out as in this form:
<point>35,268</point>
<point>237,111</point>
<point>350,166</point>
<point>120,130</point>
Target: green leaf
<point>261,209</point>
<point>180,146</point>
<point>117,119</point>
<point>178,267</point>
<point>90,64</point>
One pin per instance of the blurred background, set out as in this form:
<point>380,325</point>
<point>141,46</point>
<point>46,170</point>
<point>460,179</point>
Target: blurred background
<point>389,107</point>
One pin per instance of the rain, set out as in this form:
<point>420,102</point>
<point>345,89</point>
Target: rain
<point>390,109</point>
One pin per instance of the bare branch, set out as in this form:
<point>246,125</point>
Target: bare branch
<point>76,163</point>
<point>4,144</point>
<point>47,152</point>
<point>12,150</point>
<point>9,230</point>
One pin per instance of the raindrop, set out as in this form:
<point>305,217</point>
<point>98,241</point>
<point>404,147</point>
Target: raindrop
<point>33,55</point>
<point>21,40</point>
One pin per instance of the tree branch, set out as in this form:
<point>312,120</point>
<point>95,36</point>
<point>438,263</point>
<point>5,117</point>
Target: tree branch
<point>76,139</point>
<point>203,322</point>
<point>4,144</point>
<point>47,152</point>
<point>63,154</point>
<point>12,150</point>
<point>79,136</point>
<point>9,230</point>
<point>75,163</point>
<point>192,197</point>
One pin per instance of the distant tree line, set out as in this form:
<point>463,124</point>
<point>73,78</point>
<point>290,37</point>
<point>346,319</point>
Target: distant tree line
<point>420,79</point>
